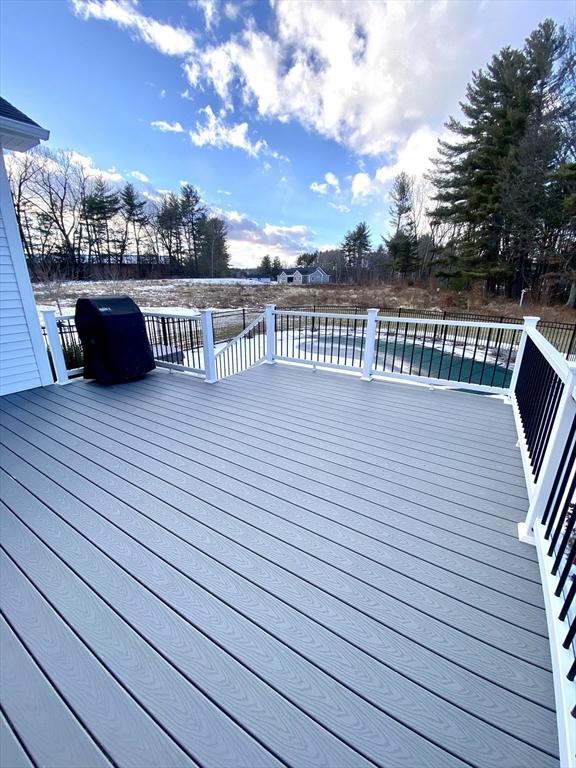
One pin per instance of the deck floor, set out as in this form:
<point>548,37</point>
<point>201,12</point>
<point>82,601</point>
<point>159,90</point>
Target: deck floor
<point>286,568</point>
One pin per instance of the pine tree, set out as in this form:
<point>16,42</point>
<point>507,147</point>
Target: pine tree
<point>357,248</point>
<point>403,245</point>
<point>132,210</point>
<point>266,266</point>
<point>192,211</point>
<point>492,180</point>
<point>100,207</point>
<point>276,267</point>
<point>213,255</point>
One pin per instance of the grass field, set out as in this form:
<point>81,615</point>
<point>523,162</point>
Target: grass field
<point>191,295</point>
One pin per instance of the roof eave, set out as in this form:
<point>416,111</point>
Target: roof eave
<point>20,136</point>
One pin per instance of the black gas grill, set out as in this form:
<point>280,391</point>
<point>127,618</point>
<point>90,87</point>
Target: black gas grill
<point>114,339</point>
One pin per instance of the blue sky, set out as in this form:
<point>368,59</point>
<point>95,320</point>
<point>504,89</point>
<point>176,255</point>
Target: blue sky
<point>292,118</point>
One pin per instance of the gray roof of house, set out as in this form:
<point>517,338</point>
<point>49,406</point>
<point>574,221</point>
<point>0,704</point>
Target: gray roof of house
<point>9,110</point>
<point>302,270</point>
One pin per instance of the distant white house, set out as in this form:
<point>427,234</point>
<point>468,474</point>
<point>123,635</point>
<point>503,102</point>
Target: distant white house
<point>23,358</point>
<point>304,276</point>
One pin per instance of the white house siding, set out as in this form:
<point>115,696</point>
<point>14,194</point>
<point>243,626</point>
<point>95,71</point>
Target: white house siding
<point>23,360</point>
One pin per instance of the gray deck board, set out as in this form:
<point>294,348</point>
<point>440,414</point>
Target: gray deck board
<point>255,583</point>
<point>12,753</point>
<point>427,524</point>
<point>37,712</point>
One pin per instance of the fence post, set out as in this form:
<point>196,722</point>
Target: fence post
<point>270,332</point>
<point>208,346</point>
<point>556,444</point>
<point>55,346</point>
<point>369,344</point>
<point>529,322</point>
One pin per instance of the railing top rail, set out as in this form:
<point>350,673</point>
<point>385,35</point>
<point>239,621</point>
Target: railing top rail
<point>241,335</point>
<point>403,320</point>
<point>556,360</point>
<point>346,316</point>
<point>449,323</point>
<point>175,315</point>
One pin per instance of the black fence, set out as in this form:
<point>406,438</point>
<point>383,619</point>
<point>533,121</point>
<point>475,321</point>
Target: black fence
<point>470,355</point>
<point>330,340</point>
<point>561,335</point>
<point>176,340</point>
<point>243,352</point>
<point>538,392</point>
<point>226,325</point>
<point>559,520</point>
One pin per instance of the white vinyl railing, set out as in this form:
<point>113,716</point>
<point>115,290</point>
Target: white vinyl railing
<point>544,403</point>
<point>451,353</point>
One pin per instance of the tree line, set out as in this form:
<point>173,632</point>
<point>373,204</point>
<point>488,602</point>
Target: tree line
<point>75,224</point>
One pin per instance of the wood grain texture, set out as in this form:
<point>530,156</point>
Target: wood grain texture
<point>329,701</point>
<point>260,588</point>
<point>317,475</point>
<point>474,559</point>
<point>468,690</point>
<point>12,754</point>
<point>119,725</point>
<point>37,712</point>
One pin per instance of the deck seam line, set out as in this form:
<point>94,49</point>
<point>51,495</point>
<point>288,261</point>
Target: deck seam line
<point>10,724</point>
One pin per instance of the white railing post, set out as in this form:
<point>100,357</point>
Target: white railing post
<point>556,444</point>
<point>529,322</point>
<point>369,344</point>
<point>270,332</point>
<point>55,346</point>
<point>208,346</point>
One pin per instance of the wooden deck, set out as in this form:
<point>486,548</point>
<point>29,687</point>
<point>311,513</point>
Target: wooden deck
<point>286,568</point>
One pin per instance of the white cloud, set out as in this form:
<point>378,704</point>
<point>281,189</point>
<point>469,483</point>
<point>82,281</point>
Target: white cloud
<point>249,241</point>
<point>186,95</point>
<point>165,127</point>
<point>223,192</point>
<point>340,207</point>
<point>215,133</point>
<point>208,8</point>
<point>332,180</point>
<point>112,175</point>
<point>362,186</point>
<point>413,157</point>
<point>330,184</point>
<point>320,188</point>
<point>169,40</point>
<point>163,93</point>
<point>139,176</point>
<point>231,11</point>
<point>342,68</point>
